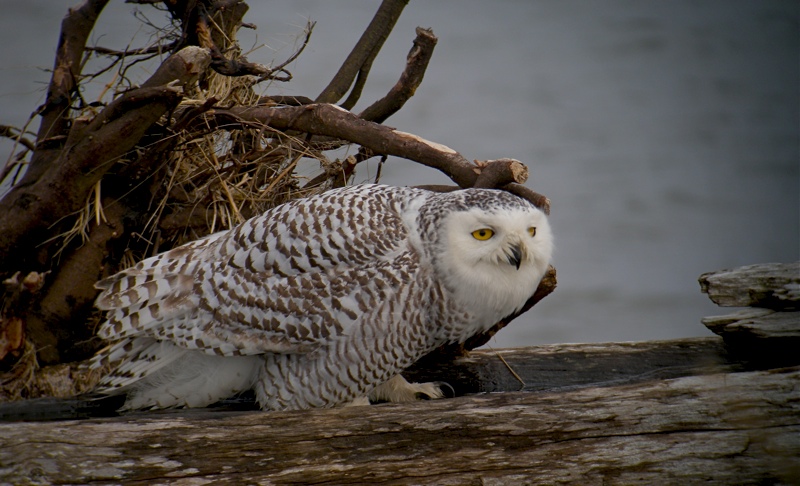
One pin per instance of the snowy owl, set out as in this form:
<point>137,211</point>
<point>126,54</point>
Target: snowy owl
<point>322,301</point>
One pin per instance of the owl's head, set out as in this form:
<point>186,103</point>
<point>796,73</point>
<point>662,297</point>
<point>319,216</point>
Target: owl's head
<point>493,249</point>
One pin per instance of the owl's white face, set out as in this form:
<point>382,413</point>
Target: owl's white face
<point>496,260</point>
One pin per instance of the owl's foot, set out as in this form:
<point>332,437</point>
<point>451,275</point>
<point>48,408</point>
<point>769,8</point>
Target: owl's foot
<point>358,402</point>
<point>397,389</point>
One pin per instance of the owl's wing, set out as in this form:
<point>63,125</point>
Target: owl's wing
<point>296,314</point>
<point>286,282</point>
<point>234,312</point>
<point>351,227</point>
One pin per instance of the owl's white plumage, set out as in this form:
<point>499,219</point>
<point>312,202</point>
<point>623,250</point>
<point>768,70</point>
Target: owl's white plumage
<point>321,301</point>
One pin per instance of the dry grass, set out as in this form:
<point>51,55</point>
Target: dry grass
<point>26,380</point>
<point>214,178</point>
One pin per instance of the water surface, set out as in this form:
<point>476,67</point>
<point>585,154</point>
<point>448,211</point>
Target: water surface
<point>666,134</point>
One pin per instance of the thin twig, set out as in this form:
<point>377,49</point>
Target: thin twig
<point>141,51</point>
<point>416,63</point>
<point>8,132</point>
<point>280,67</point>
<point>380,168</point>
<point>513,373</point>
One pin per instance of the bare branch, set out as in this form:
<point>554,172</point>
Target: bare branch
<point>29,209</point>
<point>288,100</point>
<point>281,67</point>
<point>498,173</point>
<point>8,132</point>
<point>75,30</point>
<point>416,64</point>
<point>538,200</point>
<point>186,66</point>
<point>142,51</point>
<point>364,51</point>
<point>330,120</point>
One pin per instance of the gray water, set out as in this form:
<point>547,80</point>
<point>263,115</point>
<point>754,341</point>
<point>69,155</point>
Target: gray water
<point>666,134</point>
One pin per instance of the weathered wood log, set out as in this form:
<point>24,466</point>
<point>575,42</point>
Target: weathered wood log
<point>683,411</point>
<point>771,285</point>
<point>761,335</point>
<point>672,427</point>
<point>732,428</point>
<point>756,324</point>
<point>538,368</point>
<point>565,366</point>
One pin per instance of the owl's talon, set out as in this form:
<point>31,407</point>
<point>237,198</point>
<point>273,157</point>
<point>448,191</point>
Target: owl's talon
<point>447,390</point>
<point>443,389</point>
<point>397,389</point>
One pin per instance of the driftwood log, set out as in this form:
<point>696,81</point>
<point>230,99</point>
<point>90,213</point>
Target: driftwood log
<point>741,428</point>
<point>768,285</point>
<point>689,411</point>
<point>768,332</point>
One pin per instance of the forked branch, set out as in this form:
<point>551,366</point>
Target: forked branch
<point>330,120</point>
<point>359,61</point>
<point>416,64</point>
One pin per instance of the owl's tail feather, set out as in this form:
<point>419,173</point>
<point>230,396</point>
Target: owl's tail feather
<point>134,359</point>
<point>136,286</point>
<point>142,298</point>
<point>163,375</point>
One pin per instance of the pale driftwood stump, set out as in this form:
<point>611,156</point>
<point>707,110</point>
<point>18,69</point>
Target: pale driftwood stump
<point>757,324</point>
<point>770,285</point>
<point>767,333</point>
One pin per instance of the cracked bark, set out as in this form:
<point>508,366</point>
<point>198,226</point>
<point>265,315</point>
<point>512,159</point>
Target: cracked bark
<point>732,428</point>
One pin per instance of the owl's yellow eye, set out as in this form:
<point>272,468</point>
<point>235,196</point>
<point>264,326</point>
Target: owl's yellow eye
<point>532,231</point>
<point>482,234</point>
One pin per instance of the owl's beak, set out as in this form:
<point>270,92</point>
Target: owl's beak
<point>515,258</point>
